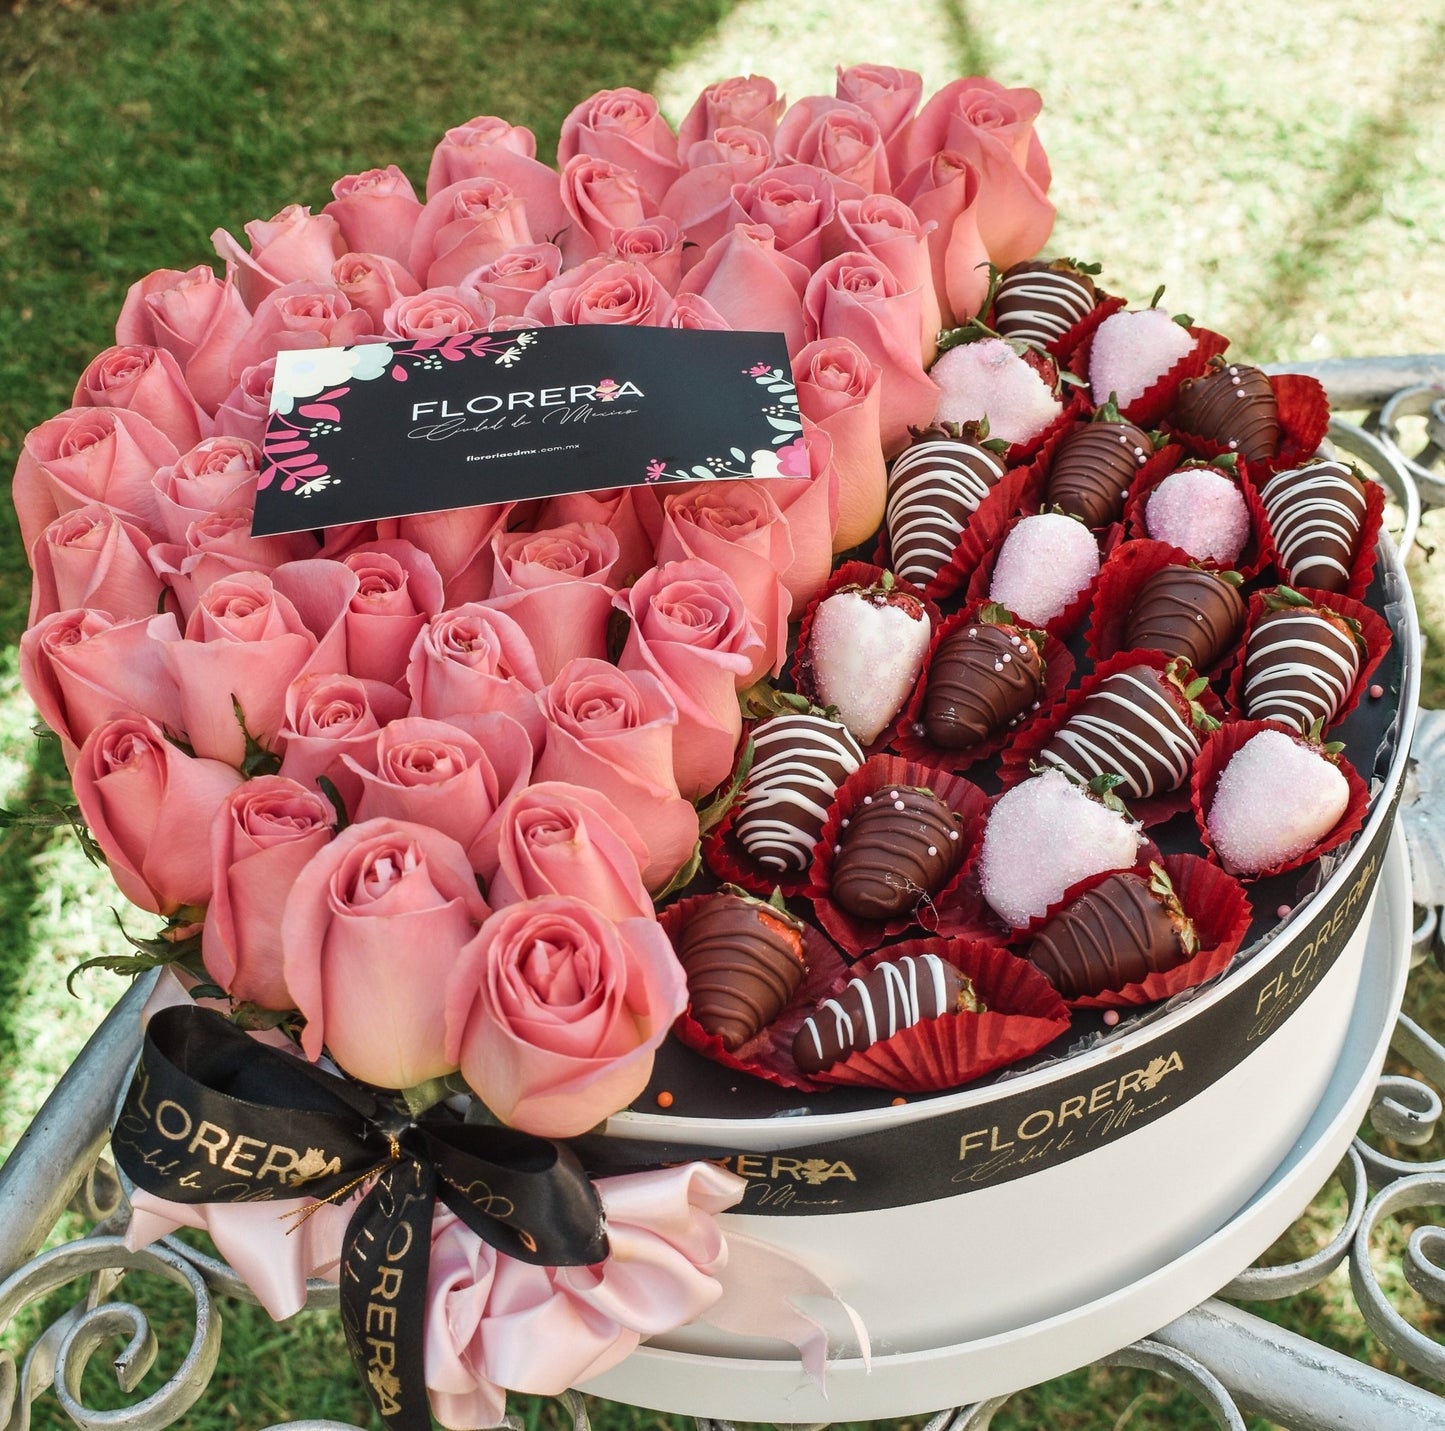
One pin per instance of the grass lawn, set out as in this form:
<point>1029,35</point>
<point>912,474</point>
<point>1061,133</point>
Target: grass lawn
<point>1280,177</point>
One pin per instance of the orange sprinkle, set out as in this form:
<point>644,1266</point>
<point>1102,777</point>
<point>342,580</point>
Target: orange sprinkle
<point>664,1099</point>
<point>899,1102</point>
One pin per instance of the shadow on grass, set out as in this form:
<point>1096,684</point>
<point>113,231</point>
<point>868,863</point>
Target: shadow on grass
<point>971,54</point>
<point>1364,169</point>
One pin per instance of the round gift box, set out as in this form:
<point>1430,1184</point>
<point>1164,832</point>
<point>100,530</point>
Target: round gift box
<point>970,1217</point>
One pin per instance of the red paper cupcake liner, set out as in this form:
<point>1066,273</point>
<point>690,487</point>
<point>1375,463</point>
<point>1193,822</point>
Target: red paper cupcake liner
<point>1220,911</point>
<point>1373,628</point>
<point>910,736</point>
<point>851,573</point>
<point>1251,560</point>
<point>1304,419</point>
<point>1362,569</point>
<point>1066,345</point>
<point>1023,1013</point>
<point>1123,576</point>
<point>857,936</point>
<point>769,1053</point>
<point>1149,408</point>
<point>1217,752</point>
<point>1016,760</point>
<point>990,542</point>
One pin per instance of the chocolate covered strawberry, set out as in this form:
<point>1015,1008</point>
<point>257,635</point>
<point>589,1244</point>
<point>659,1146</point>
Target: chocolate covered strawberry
<point>1186,611</point>
<point>1133,349</point>
<point>1234,404</point>
<point>1093,466</point>
<point>865,651</point>
<point>1300,661</point>
<point>984,676</point>
<point>1038,301</point>
<point>1014,385</point>
<point>1141,724</point>
<point>1316,514</point>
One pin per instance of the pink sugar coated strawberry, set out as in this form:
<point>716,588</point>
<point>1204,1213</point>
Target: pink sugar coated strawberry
<point>1132,350</point>
<point>1045,562</point>
<point>990,378</point>
<point>1276,798</point>
<point>1201,511</point>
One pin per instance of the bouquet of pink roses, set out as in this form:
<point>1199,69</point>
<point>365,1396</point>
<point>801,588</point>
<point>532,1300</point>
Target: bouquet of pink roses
<point>392,776</point>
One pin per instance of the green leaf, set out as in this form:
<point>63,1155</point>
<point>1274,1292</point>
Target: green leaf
<point>682,878</point>
<point>333,795</point>
<point>421,1096</point>
<point>257,759</point>
<point>708,816</point>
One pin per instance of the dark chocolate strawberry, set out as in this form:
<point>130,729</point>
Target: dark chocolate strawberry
<point>1093,466</point>
<point>1316,513</point>
<point>984,675</point>
<point>1139,723</point>
<point>1117,933</point>
<point>1186,611</point>
<point>1039,301</point>
<point>1234,404</point>
<point>1300,661</point>
<point>898,848</point>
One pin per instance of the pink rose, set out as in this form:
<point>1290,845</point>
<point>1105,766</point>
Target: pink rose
<point>330,716</point>
<point>295,245</point>
<point>809,503</point>
<point>371,283</point>
<point>554,838</point>
<point>466,225</point>
<point>303,314</point>
<point>372,930</point>
<point>751,284</point>
<point>147,381</point>
<point>535,184</point>
<point>376,211</point>
<point>216,475</point>
<point>90,557</point>
<point>617,510</point>
<point>196,317</point>
<point>838,390</point>
<point>471,658</point>
<point>458,155</point>
<point>751,101</point>
<point>796,201</point>
<point>624,127</point>
<point>248,638</point>
<point>90,455</point>
<point>459,544</point>
<point>690,629</point>
<point>82,667</point>
<point>437,773</point>
<point>398,590</point>
<point>601,196</point>
<point>437,313</point>
<point>656,245</point>
<point>244,412</point>
<point>146,802</point>
<point>692,310</point>
<point>263,835</point>
<point>888,230</point>
<point>603,290</point>
<point>890,95</point>
<point>738,527</point>
<point>509,282</point>
<point>836,135</point>
<point>219,544</point>
<point>700,201</point>
<point>611,731</point>
<point>854,296</point>
<point>944,192</point>
<point>992,128</point>
<point>556,585</point>
<point>554,1012</point>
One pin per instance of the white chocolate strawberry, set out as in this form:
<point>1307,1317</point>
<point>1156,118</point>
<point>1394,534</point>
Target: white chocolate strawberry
<point>1276,798</point>
<point>866,651</point>
<point>1132,350</point>
<point>990,378</point>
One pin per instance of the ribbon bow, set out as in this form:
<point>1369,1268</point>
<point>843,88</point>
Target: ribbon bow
<point>213,1116</point>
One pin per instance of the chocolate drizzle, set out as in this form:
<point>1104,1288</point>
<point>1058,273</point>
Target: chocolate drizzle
<point>899,847</point>
<point>1232,404</point>
<point>1039,302</point>
<point>892,996</point>
<point>1092,470</point>
<point>934,487</point>
<point>743,961</point>
<point>1117,933</point>
<point>1129,726</point>
<point>1299,666</point>
<point>798,763</point>
<point>1185,612</point>
<point>983,677</point>
<point>1315,515</point>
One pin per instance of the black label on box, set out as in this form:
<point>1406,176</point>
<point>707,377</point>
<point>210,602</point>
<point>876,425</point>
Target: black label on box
<point>393,429</point>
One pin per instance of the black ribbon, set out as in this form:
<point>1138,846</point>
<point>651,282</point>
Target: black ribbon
<point>213,1116</point>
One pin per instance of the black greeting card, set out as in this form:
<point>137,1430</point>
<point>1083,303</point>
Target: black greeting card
<point>392,429</point>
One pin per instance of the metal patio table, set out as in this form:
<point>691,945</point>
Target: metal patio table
<point>1232,1360</point>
